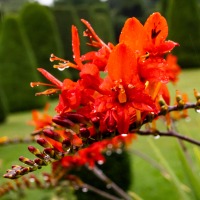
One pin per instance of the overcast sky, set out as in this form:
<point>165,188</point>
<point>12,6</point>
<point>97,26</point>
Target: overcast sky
<point>45,2</point>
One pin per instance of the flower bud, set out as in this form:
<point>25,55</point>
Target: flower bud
<point>62,121</point>
<point>84,133</point>
<point>53,135</point>
<point>44,143</point>
<point>26,161</point>
<point>66,144</point>
<point>36,152</point>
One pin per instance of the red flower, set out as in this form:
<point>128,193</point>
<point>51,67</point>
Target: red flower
<point>173,69</point>
<point>41,120</point>
<point>123,89</point>
<point>157,31</point>
<point>134,35</point>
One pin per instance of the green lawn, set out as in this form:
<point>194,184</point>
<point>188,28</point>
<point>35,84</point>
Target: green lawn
<point>148,182</point>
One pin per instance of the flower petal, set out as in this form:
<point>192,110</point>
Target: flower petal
<point>133,34</point>
<point>122,64</point>
<point>157,28</point>
<point>50,77</point>
<point>76,46</point>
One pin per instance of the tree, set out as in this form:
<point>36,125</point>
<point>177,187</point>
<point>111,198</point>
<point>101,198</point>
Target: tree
<point>3,106</point>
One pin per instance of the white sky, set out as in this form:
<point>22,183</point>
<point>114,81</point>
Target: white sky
<point>46,2</point>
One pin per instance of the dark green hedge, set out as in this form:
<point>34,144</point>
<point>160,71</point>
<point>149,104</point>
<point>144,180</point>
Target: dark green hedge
<point>183,20</point>
<point>99,17</point>
<point>3,106</point>
<point>17,67</point>
<point>42,31</point>
<point>117,167</point>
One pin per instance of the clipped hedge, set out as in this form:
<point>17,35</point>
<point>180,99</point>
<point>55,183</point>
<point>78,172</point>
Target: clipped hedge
<point>17,67</point>
<point>99,17</point>
<point>65,18</point>
<point>183,20</point>
<point>42,31</point>
<point>3,106</point>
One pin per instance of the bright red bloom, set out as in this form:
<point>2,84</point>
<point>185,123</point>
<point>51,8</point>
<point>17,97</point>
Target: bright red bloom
<point>148,43</point>
<point>123,89</point>
<point>173,69</point>
<point>99,57</point>
<point>157,31</point>
<point>134,36</point>
<point>41,120</point>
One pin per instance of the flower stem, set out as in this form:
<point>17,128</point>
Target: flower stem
<point>100,192</point>
<point>99,173</point>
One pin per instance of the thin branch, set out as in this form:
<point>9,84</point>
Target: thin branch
<point>100,192</point>
<point>7,140</point>
<point>99,173</point>
<point>170,133</point>
<point>151,162</point>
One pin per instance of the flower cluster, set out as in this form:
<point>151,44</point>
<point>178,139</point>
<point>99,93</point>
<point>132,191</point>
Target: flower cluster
<point>118,84</point>
<point>118,90</point>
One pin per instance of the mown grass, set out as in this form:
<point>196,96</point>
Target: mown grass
<point>148,182</point>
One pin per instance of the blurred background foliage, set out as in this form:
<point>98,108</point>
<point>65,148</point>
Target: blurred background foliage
<point>47,29</point>
<point>30,32</point>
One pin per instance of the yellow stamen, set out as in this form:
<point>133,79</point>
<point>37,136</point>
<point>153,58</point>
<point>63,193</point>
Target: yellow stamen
<point>33,84</point>
<point>154,125</point>
<point>138,116</point>
<point>53,58</point>
<point>65,65</point>
<point>156,90</point>
<point>122,96</point>
<point>146,84</point>
<point>47,92</point>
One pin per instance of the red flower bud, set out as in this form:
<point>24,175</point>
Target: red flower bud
<point>44,143</point>
<point>66,144</point>
<point>62,121</point>
<point>53,135</point>
<point>84,132</point>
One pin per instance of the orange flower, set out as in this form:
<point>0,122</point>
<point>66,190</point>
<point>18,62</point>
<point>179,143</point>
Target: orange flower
<point>157,31</point>
<point>123,91</point>
<point>173,69</point>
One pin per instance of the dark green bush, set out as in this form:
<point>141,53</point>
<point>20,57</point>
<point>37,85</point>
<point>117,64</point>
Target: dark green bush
<point>17,67</point>
<point>42,31</point>
<point>3,106</point>
<point>117,167</point>
<point>121,10</point>
<point>99,17</point>
<point>183,20</point>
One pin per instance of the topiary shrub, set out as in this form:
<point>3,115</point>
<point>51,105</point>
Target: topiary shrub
<point>17,67</point>
<point>42,31</point>
<point>98,15</point>
<point>123,180</point>
<point>183,20</point>
<point>121,10</point>
<point>3,106</point>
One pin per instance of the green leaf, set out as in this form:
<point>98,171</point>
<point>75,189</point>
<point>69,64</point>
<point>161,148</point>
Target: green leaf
<point>190,174</point>
<point>176,182</point>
